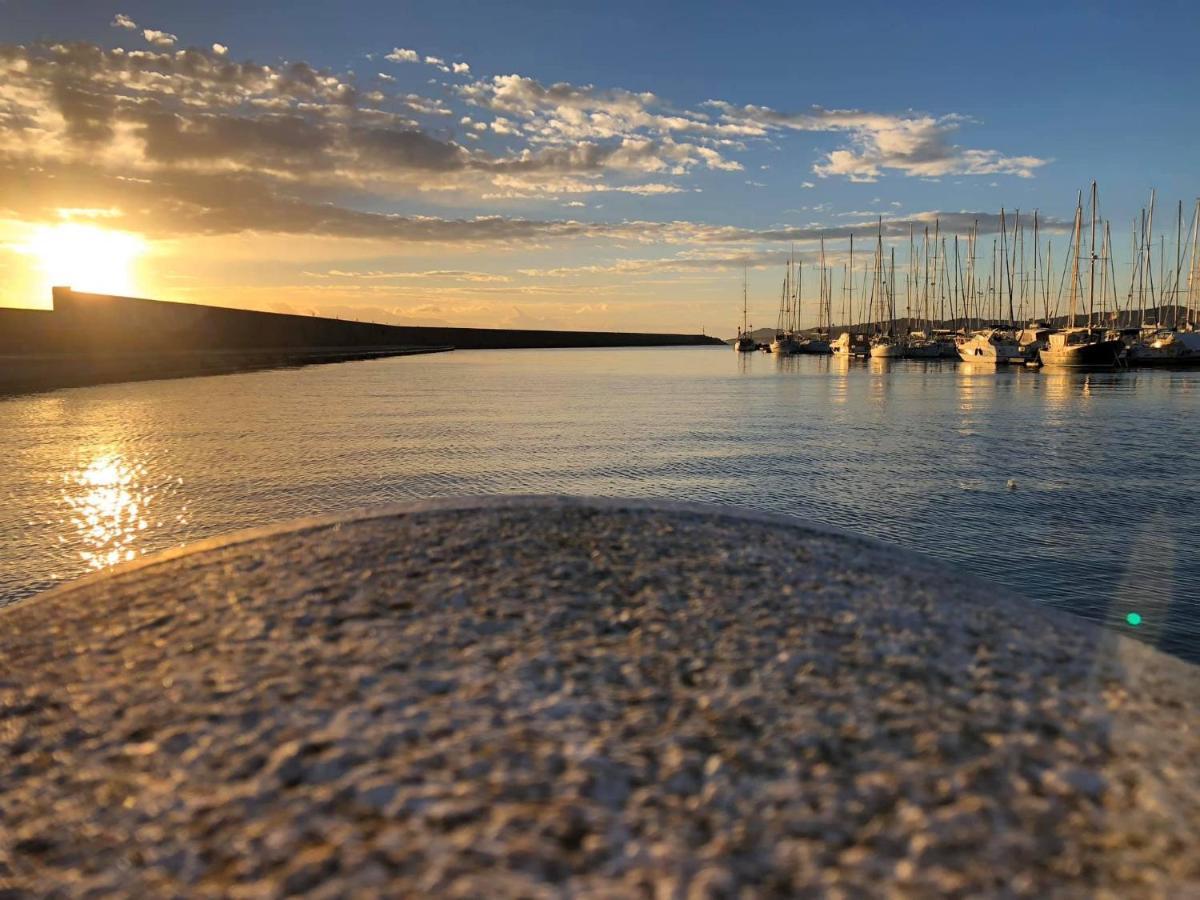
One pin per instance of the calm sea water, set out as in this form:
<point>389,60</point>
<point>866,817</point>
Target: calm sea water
<point>1103,520</point>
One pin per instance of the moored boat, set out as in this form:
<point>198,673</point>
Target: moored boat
<point>991,346</point>
<point>1080,347</point>
<point>744,342</point>
<point>1087,346</point>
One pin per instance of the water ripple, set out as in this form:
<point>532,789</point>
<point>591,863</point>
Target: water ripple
<point>1101,518</point>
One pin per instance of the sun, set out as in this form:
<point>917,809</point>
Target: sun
<point>88,258</point>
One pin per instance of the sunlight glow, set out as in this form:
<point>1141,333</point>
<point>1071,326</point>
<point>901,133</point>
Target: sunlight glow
<point>107,506</point>
<point>87,258</point>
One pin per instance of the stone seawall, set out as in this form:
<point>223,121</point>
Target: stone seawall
<point>119,324</point>
<point>97,338</point>
<point>536,697</point>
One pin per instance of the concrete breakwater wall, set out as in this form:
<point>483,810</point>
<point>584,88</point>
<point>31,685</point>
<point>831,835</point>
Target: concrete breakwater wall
<point>98,338</point>
<point>123,324</point>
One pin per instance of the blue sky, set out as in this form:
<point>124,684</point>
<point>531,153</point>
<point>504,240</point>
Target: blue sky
<point>832,115</point>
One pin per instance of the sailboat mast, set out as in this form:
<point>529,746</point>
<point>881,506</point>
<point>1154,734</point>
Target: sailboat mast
<point>1104,254</point>
<point>799,290</point>
<point>1194,268</point>
<point>1077,232</point>
<point>850,320</point>
<point>1178,265</point>
<point>1092,261</point>
<point>745,276</point>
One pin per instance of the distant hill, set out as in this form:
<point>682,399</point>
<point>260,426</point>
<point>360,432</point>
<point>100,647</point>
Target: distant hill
<point>760,335</point>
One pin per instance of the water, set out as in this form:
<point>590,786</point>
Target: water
<point>1103,520</point>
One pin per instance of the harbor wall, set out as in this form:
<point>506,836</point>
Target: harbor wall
<point>99,338</point>
<point>124,324</point>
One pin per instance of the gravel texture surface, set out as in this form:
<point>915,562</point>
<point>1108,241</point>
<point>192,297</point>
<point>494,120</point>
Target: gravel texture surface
<point>538,698</point>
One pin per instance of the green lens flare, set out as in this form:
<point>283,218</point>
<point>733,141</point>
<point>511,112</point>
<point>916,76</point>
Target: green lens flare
<point>1134,619</point>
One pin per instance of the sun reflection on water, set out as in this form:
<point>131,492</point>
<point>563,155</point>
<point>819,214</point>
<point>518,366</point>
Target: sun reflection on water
<point>111,504</point>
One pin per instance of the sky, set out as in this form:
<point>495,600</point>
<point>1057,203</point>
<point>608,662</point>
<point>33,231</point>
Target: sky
<point>563,165</point>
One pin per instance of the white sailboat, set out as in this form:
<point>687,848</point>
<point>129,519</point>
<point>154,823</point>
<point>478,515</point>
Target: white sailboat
<point>744,343</point>
<point>786,342</point>
<point>884,345</point>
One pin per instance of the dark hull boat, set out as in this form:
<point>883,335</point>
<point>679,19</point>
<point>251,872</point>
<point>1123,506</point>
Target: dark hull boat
<point>1079,349</point>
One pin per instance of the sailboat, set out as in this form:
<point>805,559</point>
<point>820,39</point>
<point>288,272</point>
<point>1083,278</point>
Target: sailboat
<point>1178,345</point>
<point>884,345</point>
<point>818,342</point>
<point>744,343</point>
<point>992,345</point>
<point>785,343</point>
<point>1074,347</point>
<point>848,345</point>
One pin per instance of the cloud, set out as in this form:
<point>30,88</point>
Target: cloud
<point>434,61</point>
<point>460,68</point>
<point>220,50</point>
<point>399,54</point>
<point>433,275</point>
<point>807,184</point>
<point>120,20</point>
<point>159,38</point>
<point>914,145</point>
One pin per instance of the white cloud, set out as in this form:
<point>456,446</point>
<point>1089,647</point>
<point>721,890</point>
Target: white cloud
<point>220,50</point>
<point>807,184</point>
<point>123,21</point>
<point>399,54</point>
<point>913,144</point>
<point>460,68</point>
<point>435,61</point>
<point>159,38</point>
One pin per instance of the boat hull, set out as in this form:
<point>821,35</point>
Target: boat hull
<point>1099,354</point>
<point>886,351</point>
<point>983,350</point>
<point>924,351</point>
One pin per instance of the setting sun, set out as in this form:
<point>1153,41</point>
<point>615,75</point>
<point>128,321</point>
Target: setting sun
<point>87,258</point>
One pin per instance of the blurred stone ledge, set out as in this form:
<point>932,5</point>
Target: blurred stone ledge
<point>547,696</point>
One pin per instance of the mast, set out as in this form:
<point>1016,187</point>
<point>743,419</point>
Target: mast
<point>1194,268</point>
<point>826,294</point>
<point>892,293</point>
<point>850,320</point>
<point>1178,265</point>
<point>1148,259</point>
<point>1037,251</point>
<point>1092,261</point>
<point>960,304</point>
<point>1049,279</point>
<point>1077,233</point>
<point>908,279</point>
<point>1104,254</point>
<point>799,283</point>
<point>745,279</point>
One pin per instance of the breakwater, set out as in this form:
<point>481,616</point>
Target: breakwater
<point>99,338</point>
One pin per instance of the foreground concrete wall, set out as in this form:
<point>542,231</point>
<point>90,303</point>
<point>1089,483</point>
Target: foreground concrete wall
<point>544,697</point>
<point>98,321</point>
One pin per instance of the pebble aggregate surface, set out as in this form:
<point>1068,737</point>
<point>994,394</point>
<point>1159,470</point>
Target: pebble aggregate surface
<point>552,697</point>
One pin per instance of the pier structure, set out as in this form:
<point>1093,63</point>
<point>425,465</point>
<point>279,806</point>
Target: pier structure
<point>553,696</point>
<point>98,338</point>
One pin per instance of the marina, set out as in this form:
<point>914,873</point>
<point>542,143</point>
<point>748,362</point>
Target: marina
<point>954,309</point>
